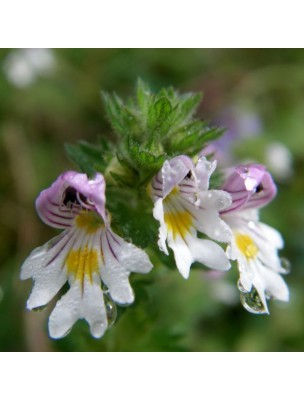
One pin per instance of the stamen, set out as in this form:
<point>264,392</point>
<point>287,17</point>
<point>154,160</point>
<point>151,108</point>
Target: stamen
<point>70,197</point>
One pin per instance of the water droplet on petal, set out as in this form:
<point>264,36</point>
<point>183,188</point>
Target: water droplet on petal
<point>111,310</point>
<point>285,264</point>
<point>252,302</point>
<point>220,204</point>
<point>251,224</point>
<point>241,287</point>
<point>217,232</point>
<point>39,309</point>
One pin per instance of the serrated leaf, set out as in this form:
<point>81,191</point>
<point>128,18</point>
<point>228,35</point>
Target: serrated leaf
<point>187,107</point>
<point>144,98</point>
<point>158,116</point>
<point>121,118</point>
<point>143,158</point>
<point>204,139</point>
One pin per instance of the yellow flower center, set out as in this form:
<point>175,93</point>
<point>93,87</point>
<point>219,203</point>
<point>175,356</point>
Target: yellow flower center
<point>82,262</point>
<point>178,221</point>
<point>246,245</point>
<point>89,221</point>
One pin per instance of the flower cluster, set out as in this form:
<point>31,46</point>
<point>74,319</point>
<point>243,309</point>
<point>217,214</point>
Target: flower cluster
<point>214,227</point>
<point>96,262</point>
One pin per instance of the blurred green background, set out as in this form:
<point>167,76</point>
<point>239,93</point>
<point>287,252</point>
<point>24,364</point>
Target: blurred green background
<point>49,97</point>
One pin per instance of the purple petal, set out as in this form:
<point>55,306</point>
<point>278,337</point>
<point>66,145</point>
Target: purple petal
<point>172,173</point>
<point>58,205</point>
<point>250,186</point>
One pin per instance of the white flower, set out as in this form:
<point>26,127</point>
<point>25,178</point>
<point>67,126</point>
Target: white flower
<point>88,254</point>
<point>23,66</point>
<point>254,245</point>
<point>185,206</point>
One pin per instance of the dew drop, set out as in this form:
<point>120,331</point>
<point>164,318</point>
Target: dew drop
<point>216,232</point>
<point>241,287</point>
<point>285,265</point>
<point>252,302</point>
<point>251,224</point>
<point>220,204</point>
<point>111,310</point>
<point>39,309</point>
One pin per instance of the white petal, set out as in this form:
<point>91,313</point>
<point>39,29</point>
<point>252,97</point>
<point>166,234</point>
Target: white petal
<point>182,254</point>
<point>214,199</point>
<point>247,271</point>
<point>189,249</point>
<point>47,285</point>
<point>209,222</point>
<point>158,214</point>
<point>93,308</point>
<point>203,171</point>
<point>174,171</point>
<point>268,241</point>
<point>43,255</point>
<point>273,236</point>
<point>274,284</point>
<point>208,253</point>
<point>46,267</point>
<point>121,258</point>
<point>78,302</point>
<point>131,258</point>
<point>66,312</point>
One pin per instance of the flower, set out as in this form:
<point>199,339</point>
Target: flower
<point>88,254</point>
<point>184,206</point>
<point>254,245</point>
<point>23,66</point>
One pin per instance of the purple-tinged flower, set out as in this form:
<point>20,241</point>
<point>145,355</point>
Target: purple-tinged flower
<point>250,186</point>
<point>88,254</point>
<point>254,245</point>
<point>184,206</point>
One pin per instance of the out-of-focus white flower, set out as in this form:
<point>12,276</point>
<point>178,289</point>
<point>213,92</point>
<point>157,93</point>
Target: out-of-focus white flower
<point>22,67</point>
<point>279,160</point>
<point>224,291</point>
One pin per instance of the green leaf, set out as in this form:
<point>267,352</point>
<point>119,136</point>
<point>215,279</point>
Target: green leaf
<point>121,118</point>
<point>186,107</point>
<point>143,158</point>
<point>144,96</point>
<point>158,114</point>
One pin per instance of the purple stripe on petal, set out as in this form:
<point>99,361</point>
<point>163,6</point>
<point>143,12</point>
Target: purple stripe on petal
<point>110,247</point>
<point>71,192</point>
<point>61,249</point>
<point>250,186</point>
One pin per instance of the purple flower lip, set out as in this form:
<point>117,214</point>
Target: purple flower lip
<point>250,186</point>
<point>171,174</point>
<point>72,192</point>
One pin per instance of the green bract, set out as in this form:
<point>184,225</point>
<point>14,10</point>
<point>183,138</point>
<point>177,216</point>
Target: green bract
<point>148,129</point>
